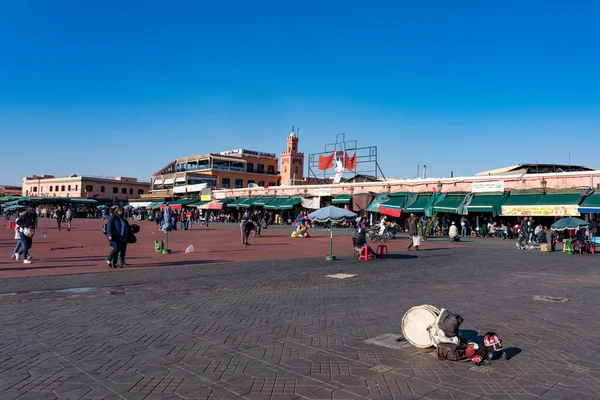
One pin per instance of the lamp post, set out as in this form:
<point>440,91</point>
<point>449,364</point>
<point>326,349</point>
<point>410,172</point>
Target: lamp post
<point>543,183</point>
<point>439,187</point>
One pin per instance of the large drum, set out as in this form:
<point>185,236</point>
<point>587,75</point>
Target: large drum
<point>415,323</point>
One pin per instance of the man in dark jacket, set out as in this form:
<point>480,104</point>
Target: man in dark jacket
<point>117,230</point>
<point>413,230</point>
<point>59,216</point>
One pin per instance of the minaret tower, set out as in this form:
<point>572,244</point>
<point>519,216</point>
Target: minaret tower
<point>291,162</point>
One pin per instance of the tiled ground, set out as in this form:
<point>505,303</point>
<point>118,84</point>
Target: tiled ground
<point>280,330</point>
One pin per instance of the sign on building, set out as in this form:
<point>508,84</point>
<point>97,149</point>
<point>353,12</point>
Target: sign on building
<point>484,187</point>
<point>322,192</point>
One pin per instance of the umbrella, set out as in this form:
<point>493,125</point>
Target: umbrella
<point>569,223</point>
<point>328,214</point>
<point>128,206</point>
<point>102,206</point>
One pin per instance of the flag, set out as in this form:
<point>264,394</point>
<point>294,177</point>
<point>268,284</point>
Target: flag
<point>326,162</point>
<point>350,162</point>
<point>266,185</point>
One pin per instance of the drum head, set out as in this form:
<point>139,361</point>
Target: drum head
<point>415,323</point>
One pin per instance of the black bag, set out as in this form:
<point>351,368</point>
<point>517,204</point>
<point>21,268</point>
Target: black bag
<point>131,237</point>
<point>135,228</point>
<point>450,352</point>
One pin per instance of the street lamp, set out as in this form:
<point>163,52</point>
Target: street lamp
<point>543,183</point>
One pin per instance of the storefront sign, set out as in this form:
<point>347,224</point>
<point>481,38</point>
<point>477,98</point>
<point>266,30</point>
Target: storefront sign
<point>205,197</point>
<point>540,211</point>
<point>483,187</point>
<point>244,152</point>
<point>220,195</point>
<point>189,188</point>
<point>322,192</point>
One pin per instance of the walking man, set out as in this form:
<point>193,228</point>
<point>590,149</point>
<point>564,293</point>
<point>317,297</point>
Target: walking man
<point>413,232</point>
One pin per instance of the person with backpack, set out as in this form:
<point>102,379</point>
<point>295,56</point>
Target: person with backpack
<point>117,232</point>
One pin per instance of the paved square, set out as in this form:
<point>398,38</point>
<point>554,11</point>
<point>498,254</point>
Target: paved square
<point>281,330</point>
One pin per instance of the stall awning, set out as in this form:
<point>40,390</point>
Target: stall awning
<point>236,203</point>
<point>374,206</point>
<point>449,203</point>
<point>182,202</point>
<point>487,203</point>
<point>159,181</point>
<point>89,202</point>
<point>342,199</point>
<point>169,181</point>
<point>423,204</point>
<point>180,179</point>
<point>275,204</point>
<point>154,205</point>
<point>261,201</point>
<point>249,202</point>
<point>546,205</point>
<point>590,204</point>
<point>197,203</point>
<point>288,205</point>
<point>392,207</point>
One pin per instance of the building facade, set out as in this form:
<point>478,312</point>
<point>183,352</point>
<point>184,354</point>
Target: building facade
<point>8,190</point>
<point>233,169</point>
<point>122,188</point>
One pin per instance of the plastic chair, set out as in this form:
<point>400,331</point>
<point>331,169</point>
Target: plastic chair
<point>590,247</point>
<point>365,254</point>
<point>567,248</point>
<point>382,251</point>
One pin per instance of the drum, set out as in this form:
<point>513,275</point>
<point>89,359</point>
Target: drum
<point>415,323</point>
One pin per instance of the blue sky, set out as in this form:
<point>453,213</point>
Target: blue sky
<point>123,87</point>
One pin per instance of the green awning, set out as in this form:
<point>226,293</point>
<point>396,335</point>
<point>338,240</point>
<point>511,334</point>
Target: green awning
<point>288,205</point>
<point>182,202</point>
<point>342,199</point>
<point>226,200</point>
<point>449,203</point>
<point>560,199</point>
<point>154,205</point>
<point>275,204</point>
<point>487,203</point>
<point>7,198</point>
<point>84,201</point>
<point>262,201</point>
<point>590,204</point>
<point>374,206</point>
<point>422,204</point>
<point>197,203</point>
<point>236,203</point>
<point>249,202</point>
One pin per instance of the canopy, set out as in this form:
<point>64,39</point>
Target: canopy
<point>262,201</point>
<point>449,203</point>
<point>549,204</point>
<point>15,207</point>
<point>236,202</point>
<point>249,202</point>
<point>331,213</point>
<point>422,204</point>
<point>342,199</point>
<point>276,204</point>
<point>392,207</point>
<point>374,206</point>
<point>487,203</point>
<point>590,204</point>
<point>290,203</point>
<point>182,202</point>
<point>197,203</point>
<point>154,205</point>
<point>569,223</point>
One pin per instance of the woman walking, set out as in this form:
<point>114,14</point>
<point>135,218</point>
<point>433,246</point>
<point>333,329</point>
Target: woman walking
<point>117,229</point>
<point>26,224</point>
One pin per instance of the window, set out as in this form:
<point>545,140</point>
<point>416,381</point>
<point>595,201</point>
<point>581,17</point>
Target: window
<point>69,188</point>
<point>62,188</point>
<point>272,184</point>
<point>249,167</point>
<point>271,170</point>
<point>115,189</point>
<point>130,190</point>
<point>35,189</point>
<point>261,183</point>
<point>102,189</point>
<point>50,187</point>
<point>239,183</point>
<point>225,182</point>
<point>260,168</point>
<point>76,187</point>
<point>56,188</point>
<point>140,191</point>
<point>124,190</point>
<point>89,188</point>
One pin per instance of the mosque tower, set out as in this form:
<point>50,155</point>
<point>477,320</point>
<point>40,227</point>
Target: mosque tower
<point>291,162</point>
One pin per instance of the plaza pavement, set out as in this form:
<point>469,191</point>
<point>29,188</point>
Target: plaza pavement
<point>278,329</point>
